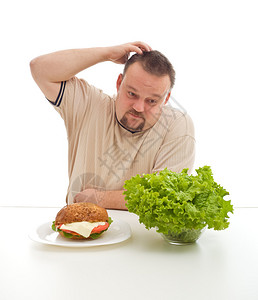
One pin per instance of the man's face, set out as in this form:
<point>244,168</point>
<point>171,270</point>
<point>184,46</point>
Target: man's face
<point>140,96</point>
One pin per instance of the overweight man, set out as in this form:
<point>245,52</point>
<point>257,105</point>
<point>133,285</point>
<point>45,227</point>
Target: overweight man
<point>112,138</point>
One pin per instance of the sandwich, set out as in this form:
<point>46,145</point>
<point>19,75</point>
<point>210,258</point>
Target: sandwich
<point>81,221</point>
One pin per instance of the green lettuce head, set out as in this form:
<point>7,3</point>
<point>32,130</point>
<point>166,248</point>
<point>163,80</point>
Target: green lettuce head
<point>176,202</point>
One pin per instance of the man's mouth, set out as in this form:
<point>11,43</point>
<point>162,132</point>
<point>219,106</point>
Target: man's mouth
<point>136,115</point>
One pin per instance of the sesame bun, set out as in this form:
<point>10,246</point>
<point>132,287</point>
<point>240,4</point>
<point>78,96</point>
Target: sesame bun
<point>79,212</point>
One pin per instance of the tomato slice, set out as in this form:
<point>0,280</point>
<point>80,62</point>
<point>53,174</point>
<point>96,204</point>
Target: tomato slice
<point>100,228</point>
<point>69,231</point>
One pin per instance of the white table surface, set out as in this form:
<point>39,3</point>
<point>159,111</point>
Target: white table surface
<point>222,265</point>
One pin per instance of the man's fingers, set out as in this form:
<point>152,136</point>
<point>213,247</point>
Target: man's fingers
<point>138,47</point>
<point>120,54</point>
<point>142,46</point>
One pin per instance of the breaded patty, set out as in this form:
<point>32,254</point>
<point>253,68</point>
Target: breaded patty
<point>78,212</point>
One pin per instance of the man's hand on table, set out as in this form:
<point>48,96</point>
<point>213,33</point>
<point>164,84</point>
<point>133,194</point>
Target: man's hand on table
<point>90,195</point>
<point>107,199</point>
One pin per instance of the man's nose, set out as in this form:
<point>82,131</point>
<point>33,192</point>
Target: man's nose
<point>139,105</point>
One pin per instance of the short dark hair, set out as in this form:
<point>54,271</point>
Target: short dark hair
<point>153,62</point>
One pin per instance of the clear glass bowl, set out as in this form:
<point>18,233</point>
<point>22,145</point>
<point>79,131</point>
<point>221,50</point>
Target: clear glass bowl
<point>186,237</point>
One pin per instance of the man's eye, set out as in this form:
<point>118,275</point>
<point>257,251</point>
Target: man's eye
<point>152,101</point>
<point>131,94</point>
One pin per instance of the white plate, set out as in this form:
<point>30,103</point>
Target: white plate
<point>118,232</point>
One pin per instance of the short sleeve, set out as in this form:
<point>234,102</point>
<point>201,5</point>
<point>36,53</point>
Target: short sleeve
<point>74,102</point>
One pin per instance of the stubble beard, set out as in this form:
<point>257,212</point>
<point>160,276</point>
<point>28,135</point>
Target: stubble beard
<point>124,121</point>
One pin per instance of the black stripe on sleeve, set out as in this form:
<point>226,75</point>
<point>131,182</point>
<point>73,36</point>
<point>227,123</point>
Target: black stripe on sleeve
<point>60,95</point>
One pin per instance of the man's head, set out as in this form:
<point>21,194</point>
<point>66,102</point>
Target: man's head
<point>154,63</point>
<point>143,88</point>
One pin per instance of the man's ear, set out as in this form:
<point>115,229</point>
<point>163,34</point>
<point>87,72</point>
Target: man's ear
<point>168,96</point>
<point>119,81</point>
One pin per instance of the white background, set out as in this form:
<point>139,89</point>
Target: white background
<point>212,45</point>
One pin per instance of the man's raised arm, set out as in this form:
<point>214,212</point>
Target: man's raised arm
<point>50,69</point>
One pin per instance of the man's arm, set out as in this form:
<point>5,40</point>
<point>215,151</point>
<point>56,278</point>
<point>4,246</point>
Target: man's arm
<point>50,69</point>
<point>107,199</point>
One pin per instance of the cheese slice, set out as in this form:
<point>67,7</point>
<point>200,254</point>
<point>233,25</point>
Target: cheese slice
<point>83,228</point>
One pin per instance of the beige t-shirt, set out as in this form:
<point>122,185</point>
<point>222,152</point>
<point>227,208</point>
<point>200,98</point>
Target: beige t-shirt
<point>102,154</point>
